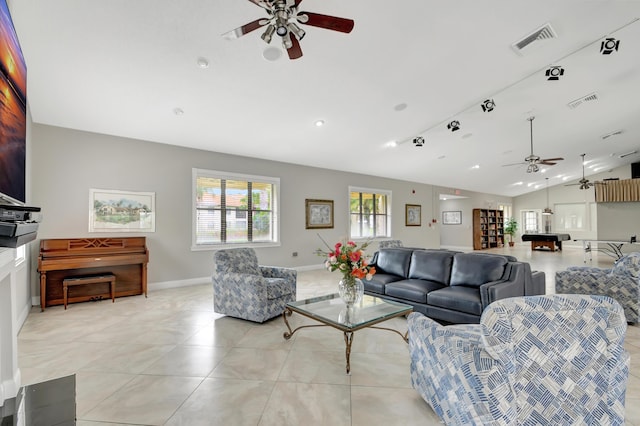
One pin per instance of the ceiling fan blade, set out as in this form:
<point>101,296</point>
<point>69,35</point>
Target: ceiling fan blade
<point>547,163</point>
<point>245,29</point>
<point>325,21</point>
<point>263,4</point>
<point>515,164</point>
<point>298,2</point>
<point>553,159</point>
<point>295,51</point>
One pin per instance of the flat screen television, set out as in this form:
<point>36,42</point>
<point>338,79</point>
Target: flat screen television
<point>13,111</point>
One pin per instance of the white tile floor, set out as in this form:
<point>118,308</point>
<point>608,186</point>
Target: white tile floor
<point>170,360</point>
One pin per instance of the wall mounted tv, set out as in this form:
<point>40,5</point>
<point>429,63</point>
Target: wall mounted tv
<point>13,111</point>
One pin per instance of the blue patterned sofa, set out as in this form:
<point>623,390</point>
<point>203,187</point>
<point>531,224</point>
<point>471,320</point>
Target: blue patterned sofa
<point>622,283</point>
<point>244,289</point>
<point>536,360</point>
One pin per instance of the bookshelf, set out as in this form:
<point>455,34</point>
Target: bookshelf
<point>488,228</point>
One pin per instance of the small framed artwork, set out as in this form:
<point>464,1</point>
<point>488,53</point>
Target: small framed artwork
<point>412,214</point>
<point>452,218</point>
<point>121,211</point>
<point>319,214</point>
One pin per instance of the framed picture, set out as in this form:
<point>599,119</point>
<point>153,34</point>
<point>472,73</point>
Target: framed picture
<point>121,211</point>
<point>319,214</point>
<point>452,218</point>
<point>412,214</point>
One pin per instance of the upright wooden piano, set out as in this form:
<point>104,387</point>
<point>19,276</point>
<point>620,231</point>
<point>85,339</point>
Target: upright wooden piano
<point>126,258</point>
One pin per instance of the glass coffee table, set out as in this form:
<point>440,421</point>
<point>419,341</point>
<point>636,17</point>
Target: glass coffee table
<point>331,311</point>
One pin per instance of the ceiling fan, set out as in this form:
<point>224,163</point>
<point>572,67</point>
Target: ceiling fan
<point>584,183</point>
<point>533,160</point>
<point>283,20</point>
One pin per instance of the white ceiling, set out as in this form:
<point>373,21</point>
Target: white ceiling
<point>122,67</point>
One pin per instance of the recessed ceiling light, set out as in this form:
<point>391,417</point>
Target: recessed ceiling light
<point>477,166</point>
<point>565,178</point>
<point>391,144</point>
<point>319,123</point>
<point>442,157</point>
<point>203,62</point>
<point>543,170</point>
<point>467,135</point>
<point>518,183</point>
<point>178,111</point>
<point>400,107</point>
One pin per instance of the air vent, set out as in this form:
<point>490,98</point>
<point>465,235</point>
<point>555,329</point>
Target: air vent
<point>545,32</point>
<point>608,135</point>
<point>591,97</point>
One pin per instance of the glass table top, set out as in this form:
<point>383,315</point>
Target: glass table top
<point>332,310</point>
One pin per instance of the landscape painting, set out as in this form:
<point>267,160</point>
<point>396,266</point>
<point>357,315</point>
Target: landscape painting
<point>13,110</point>
<point>121,211</point>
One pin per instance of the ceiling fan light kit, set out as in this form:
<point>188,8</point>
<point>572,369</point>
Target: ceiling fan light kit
<point>283,21</point>
<point>534,161</point>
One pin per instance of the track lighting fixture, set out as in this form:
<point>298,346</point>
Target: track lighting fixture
<point>609,45</point>
<point>454,125</point>
<point>488,105</point>
<point>418,141</point>
<point>554,73</point>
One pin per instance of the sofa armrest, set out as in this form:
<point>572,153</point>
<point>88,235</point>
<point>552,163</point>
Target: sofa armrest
<point>244,285</point>
<point>512,286</point>
<point>443,358</point>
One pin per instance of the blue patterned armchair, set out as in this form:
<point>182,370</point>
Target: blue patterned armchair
<point>622,283</point>
<point>244,289</point>
<point>536,360</point>
<point>389,244</point>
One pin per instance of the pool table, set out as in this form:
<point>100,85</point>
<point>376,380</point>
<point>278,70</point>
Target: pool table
<point>550,241</point>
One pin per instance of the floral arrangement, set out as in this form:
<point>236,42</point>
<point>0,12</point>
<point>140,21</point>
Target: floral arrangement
<point>349,259</point>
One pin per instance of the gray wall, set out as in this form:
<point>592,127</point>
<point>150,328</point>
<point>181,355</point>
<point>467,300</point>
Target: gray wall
<point>460,237</point>
<point>67,163</point>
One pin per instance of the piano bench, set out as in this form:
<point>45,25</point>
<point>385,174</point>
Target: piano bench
<point>94,279</point>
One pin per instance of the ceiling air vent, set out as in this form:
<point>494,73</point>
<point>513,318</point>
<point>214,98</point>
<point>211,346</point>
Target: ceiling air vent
<point>591,97</point>
<point>545,32</point>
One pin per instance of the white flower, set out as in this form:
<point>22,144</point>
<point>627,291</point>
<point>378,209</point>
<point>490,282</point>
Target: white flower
<point>369,276</point>
<point>333,260</point>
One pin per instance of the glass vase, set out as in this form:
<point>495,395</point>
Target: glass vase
<point>351,290</point>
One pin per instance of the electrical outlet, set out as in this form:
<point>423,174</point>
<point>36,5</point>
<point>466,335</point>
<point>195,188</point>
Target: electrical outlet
<point>294,254</point>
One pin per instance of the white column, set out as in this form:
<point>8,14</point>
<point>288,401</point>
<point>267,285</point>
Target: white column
<point>9,372</point>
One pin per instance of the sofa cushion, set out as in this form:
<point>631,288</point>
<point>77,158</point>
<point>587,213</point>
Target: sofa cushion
<point>433,265</point>
<point>412,289</point>
<point>394,261</point>
<point>474,269</point>
<point>237,261</point>
<point>378,282</point>
<point>458,298</point>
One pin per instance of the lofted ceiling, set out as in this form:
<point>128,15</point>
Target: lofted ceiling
<point>134,69</point>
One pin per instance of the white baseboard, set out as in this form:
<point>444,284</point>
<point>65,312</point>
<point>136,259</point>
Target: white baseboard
<point>162,285</point>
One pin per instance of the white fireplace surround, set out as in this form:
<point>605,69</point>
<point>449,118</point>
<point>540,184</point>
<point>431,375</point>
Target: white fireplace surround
<point>14,308</point>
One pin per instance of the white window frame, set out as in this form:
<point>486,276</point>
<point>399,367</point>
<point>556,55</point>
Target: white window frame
<point>216,174</point>
<point>538,215</point>
<point>384,192</point>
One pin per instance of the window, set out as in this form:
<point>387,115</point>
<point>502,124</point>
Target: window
<point>234,209</point>
<point>369,213</point>
<point>506,209</point>
<point>571,217</point>
<point>531,221</point>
